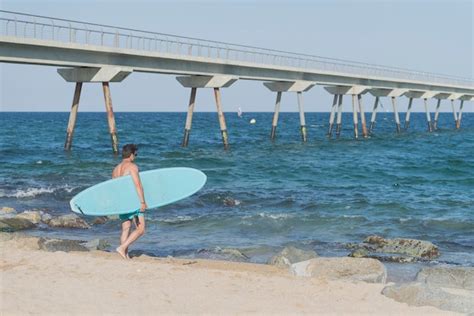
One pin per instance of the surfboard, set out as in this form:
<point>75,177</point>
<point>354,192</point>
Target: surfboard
<point>119,196</point>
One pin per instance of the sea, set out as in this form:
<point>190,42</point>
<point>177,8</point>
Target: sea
<point>261,195</point>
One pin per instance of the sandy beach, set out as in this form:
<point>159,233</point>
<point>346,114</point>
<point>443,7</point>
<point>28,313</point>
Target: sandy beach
<point>90,283</point>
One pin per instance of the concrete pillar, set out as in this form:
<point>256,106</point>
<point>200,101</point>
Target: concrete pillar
<point>428,116</point>
<point>339,116</point>
<point>454,113</point>
<point>72,116</point>
<point>362,116</point>
<point>435,123</point>
<point>302,118</point>
<point>189,117</point>
<point>110,117</point>
<point>374,115</point>
<point>220,113</point>
<point>407,117</point>
<point>395,113</point>
<point>458,122</point>
<point>275,115</point>
<point>354,116</point>
<point>332,115</point>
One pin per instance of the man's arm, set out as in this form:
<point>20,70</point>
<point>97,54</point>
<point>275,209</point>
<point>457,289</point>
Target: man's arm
<point>138,187</point>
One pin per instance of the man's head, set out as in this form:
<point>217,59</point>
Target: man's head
<point>129,150</point>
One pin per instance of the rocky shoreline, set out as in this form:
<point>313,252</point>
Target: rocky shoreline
<point>445,287</point>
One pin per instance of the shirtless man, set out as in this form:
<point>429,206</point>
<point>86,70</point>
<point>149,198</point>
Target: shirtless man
<point>127,167</point>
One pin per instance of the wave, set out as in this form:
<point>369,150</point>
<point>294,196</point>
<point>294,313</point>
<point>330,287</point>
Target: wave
<point>275,216</point>
<point>178,219</point>
<point>33,192</point>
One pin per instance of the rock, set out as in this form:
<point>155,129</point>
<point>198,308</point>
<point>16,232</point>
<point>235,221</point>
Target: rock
<point>7,210</point>
<point>411,247</point>
<point>13,224</point>
<point>32,216</point>
<point>352,269</point>
<point>364,253</point>
<point>61,245</point>
<point>68,221</point>
<point>96,244</point>
<point>223,254</point>
<point>290,255</point>
<point>228,201</point>
<point>450,277</point>
<point>418,294</point>
<point>45,217</point>
<point>359,253</point>
<point>100,220</point>
<point>20,240</point>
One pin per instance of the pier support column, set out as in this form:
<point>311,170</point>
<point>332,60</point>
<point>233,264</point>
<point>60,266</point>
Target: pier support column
<point>354,116</point>
<point>435,123</point>
<point>302,118</point>
<point>220,114</point>
<point>275,115</point>
<point>355,92</point>
<point>103,75</point>
<point>407,116</point>
<point>72,116</point>
<point>189,117</point>
<point>455,114</point>
<point>428,115</point>
<point>395,113</point>
<point>339,116</point>
<point>332,115</point>
<point>289,86</point>
<point>110,117</point>
<point>393,94</point>
<point>374,115</point>
<point>458,122</point>
<point>362,116</point>
<point>215,82</point>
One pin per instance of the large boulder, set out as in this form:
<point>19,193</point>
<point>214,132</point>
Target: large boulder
<point>96,244</point>
<point>451,277</point>
<point>290,255</point>
<point>33,216</point>
<point>405,250</point>
<point>13,224</point>
<point>68,221</point>
<point>5,210</point>
<point>218,253</point>
<point>352,269</point>
<point>65,245</point>
<point>419,294</point>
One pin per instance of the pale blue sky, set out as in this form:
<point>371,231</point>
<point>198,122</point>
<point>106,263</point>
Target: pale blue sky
<point>434,36</point>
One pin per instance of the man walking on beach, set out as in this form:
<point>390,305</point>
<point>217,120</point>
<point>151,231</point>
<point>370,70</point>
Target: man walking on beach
<point>128,167</point>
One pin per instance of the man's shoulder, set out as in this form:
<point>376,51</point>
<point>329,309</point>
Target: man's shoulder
<point>132,167</point>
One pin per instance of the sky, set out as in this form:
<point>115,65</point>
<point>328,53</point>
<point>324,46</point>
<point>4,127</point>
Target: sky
<point>433,36</point>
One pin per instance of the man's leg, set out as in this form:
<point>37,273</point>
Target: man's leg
<point>126,225</point>
<point>137,233</point>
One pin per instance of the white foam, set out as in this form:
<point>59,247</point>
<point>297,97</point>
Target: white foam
<point>32,192</point>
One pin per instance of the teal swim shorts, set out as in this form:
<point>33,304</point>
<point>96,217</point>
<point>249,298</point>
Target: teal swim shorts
<point>130,216</point>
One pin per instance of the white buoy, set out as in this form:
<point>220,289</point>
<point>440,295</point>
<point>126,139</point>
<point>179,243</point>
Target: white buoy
<point>253,121</point>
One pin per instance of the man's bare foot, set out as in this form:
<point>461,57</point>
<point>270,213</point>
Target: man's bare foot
<point>121,252</point>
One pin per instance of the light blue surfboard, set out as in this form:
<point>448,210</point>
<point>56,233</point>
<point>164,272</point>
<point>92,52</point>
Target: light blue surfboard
<point>119,196</point>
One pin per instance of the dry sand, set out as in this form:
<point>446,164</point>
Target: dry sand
<point>91,283</point>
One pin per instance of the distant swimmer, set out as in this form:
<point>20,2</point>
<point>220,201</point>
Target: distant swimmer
<point>128,167</point>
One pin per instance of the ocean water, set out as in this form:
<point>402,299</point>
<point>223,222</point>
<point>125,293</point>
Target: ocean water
<point>260,195</point>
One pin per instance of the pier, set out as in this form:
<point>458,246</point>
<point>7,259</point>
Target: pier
<point>94,53</point>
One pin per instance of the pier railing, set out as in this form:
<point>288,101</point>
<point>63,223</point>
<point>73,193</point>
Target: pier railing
<point>22,25</point>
